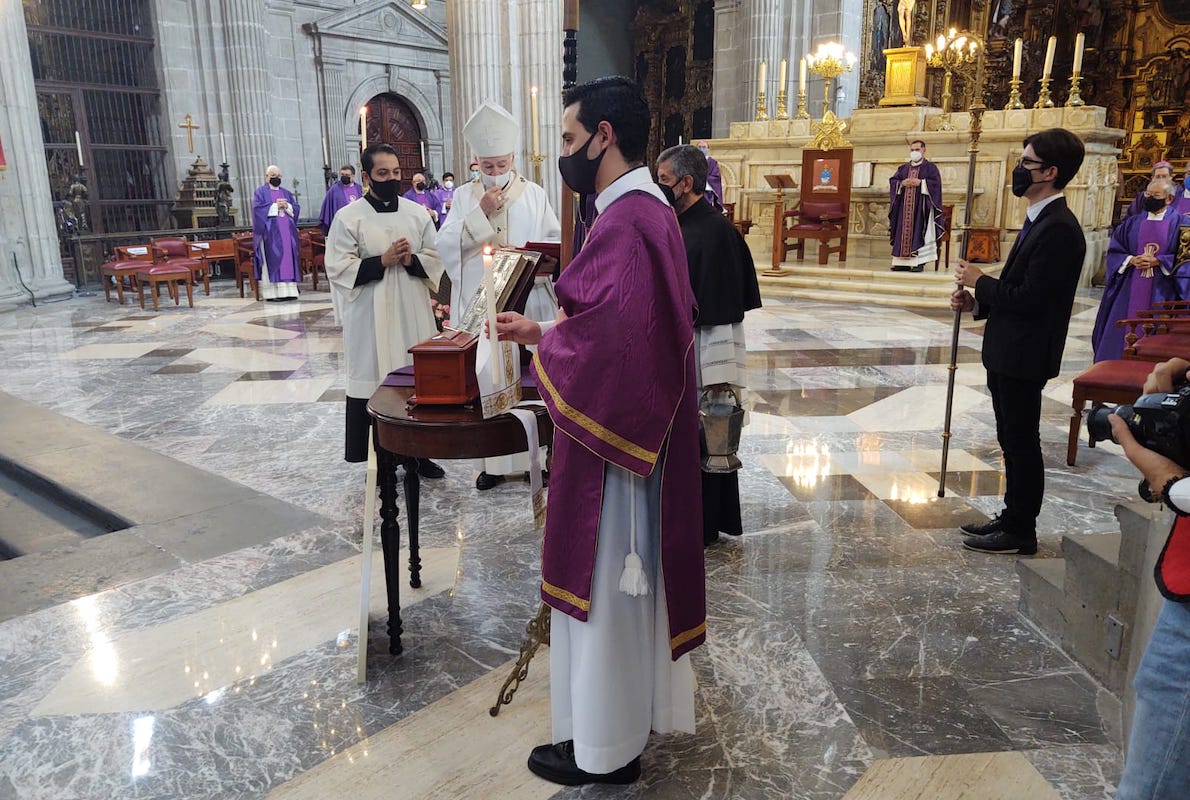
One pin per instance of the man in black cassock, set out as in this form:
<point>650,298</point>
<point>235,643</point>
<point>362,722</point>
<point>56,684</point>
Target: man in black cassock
<point>724,281</point>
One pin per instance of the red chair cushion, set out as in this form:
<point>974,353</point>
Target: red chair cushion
<point>165,270</point>
<point>1115,374</point>
<point>1164,346</point>
<point>111,266</point>
<point>173,248</point>
<point>816,210</point>
<point>184,262</point>
<point>814,227</point>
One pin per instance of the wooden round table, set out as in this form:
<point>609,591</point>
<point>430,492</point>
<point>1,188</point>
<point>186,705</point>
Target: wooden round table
<point>403,433</point>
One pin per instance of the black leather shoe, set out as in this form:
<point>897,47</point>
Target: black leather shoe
<point>918,268</point>
<point>1002,543</point>
<point>428,469</point>
<point>993,525</point>
<point>555,763</point>
<point>486,481</point>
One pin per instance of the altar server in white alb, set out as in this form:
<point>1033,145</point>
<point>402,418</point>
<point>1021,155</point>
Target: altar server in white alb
<point>499,208</point>
<point>380,257</point>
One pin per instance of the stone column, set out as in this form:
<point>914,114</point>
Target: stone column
<point>336,113</point>
<point>480,55</point>
<point>246,43</point>
<point>27,228</point>
<point>541,66</point>
<point>766,42</point>
<point>730,58</point>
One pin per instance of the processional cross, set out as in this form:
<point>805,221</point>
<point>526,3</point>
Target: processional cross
<point>190,129</point>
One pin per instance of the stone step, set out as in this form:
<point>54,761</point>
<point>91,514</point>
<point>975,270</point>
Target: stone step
<point>1043,599</point>
<point>882,288</point>
<point>1093,568</point>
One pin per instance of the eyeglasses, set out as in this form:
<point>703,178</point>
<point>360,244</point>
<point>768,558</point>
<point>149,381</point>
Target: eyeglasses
<point>1025,162</point>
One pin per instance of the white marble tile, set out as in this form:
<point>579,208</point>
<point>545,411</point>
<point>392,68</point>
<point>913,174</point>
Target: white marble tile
<point>254,393</point>
<point>307,345</point>
<point>252,333</point>
<point>243,359</point>
<point>916,408</point>
<point>117,350</point>
<point>956,460</point>
<point>915,487</point>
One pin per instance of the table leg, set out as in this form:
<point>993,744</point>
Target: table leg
<point>390,538</point>
<point>412,502</point>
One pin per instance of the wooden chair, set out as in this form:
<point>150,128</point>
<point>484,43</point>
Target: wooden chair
<point>820,220</point>
<point>1154,338</point>
<point>312,254</point>
<point>947,220</point>
<point>245,263</point>
<point>741,225</point>
<point>172,276</point>
<point>119,271</point>
<point>174,251</point>
<point>1113,381</point>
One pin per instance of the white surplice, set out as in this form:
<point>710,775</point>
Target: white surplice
<point>381,319</point>
<point>526,217</point>
<point>611,678</point>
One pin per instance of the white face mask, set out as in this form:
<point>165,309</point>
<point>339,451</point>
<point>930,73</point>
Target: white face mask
<point>449,184</point>
<point>496,180</point>
<point>915,156</point>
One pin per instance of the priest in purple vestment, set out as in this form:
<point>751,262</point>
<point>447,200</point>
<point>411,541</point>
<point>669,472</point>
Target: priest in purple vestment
<point>1183,193</point>
<point>421,194</point>
<point>915,211</point>
<point>622,559</point>
<point>446,193</point>
<point>1140,267</point>
<point>338,195</point>
<point>714,192</point>
<point>275,213</point>
<point>1162,169</point>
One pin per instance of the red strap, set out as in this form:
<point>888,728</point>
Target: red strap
<point>1173,565</point>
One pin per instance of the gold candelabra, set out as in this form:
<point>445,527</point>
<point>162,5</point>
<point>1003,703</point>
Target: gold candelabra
<point>1074,98</point>
<point>951,52</point>
<point>802,113</point>
<point>1014,95</point>
<point>1043,97</point>
<point>829,62</point>
<point>782,111</point>
<point>536,160</point>
<point>762,110</point>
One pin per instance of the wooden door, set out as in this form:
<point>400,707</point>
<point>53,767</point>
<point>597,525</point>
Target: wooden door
<point>391,120</point>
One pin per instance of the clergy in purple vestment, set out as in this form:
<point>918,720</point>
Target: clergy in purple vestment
<point>446,193</point>
<point>1140,268</point>
<point>1162,169</point>
<point>421,194</point>
<point>915,211</point>
<point>714,192</point>
<point>275,237</point>
<point>622,558</point>
<point>1183,193</point>
<point>345,191</point>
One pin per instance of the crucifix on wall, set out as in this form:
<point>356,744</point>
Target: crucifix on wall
<point>190,129</point>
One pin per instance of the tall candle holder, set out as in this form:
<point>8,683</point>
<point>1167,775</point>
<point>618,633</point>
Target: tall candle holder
<point>1074,99</point>
<point>829,62</point>
<point>762,111</point>
<point>802,113</point>
<point>782,111</point>
<point>1014,95</point>
<point>1043,97</point>
<point>536,159</point>
<point>951,52</point>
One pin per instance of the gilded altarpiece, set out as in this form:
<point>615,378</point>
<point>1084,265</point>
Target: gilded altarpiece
<point>673,52</point>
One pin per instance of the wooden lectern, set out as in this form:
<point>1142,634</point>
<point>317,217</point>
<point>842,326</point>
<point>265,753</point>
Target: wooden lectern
<point>780,183</point>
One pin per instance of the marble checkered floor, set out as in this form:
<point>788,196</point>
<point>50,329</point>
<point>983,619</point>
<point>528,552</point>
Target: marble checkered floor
<point>847,628</point>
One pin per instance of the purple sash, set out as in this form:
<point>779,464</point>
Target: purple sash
<point>1152,236</point>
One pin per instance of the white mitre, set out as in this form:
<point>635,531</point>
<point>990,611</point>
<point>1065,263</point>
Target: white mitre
<point>491,131</point>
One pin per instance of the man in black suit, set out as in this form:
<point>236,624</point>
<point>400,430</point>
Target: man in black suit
<point>1028,312</point>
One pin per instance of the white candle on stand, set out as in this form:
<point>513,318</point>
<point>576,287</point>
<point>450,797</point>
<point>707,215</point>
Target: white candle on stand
<point>536,121</point>
<point>781,78</point>
<point>1049,56</point>
<point>801,76</point>
<point>760,78</point>
<point>1016,59</point>
<point>422,143</point>
<point>326,153</point>
<point>223,147</point>
<point>363,128</point>
<point>78,145</point>
<point>489,289</point>
<point>1079,41</point>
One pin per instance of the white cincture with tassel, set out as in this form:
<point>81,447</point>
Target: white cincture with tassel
<point>632,581</point>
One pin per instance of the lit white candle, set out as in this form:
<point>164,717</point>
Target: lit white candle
<point>326,153</point>
<point>760,78</point>
<point>1079,41</point>
<point>363,128</point>
<point>1049,56</point>
<point>489,289</point>
<point>781,77</point>
<point>422,143</point>
<point>223,147</point>
<point>535,119</point>
<point>801,76</point>
<point>1016,58</point>
<point>78,145</point>
<point>680,142</point>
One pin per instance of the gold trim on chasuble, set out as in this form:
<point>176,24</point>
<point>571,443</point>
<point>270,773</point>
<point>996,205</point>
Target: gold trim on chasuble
<point>566,597</point>
<point>685,636</point>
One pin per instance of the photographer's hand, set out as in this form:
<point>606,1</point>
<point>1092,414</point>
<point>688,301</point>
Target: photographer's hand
<point>1156,468</point>
<point>1166,375</point>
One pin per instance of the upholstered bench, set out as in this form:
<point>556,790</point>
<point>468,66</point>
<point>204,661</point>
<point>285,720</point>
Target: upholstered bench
<point>120,271</point>
<point>173,277</point>
<point>1113,381</point>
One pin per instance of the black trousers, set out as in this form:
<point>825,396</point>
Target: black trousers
<point>359,428</point>
<point>720,505</point>
<point>1017,404</point>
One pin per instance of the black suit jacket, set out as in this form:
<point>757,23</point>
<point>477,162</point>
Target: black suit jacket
<point>1028,307</point>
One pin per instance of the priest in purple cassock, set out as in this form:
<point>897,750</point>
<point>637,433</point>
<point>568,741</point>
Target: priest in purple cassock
<point>622,559</point>
<point>714,192</point>
<point>1140,267</point>
<point>421,194</point>
<point>1183,193</point>
<point>915,211</point>
<point>1162,169</point>
<point>338,195</point>
<point>275,237</point>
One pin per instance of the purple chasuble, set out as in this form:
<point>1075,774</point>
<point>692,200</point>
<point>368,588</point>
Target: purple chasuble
<point>714,192</point>
<point>617,375</point>
<point>336,197</point>
<point>275,239</point>
<point>908,212</point>
<point>1132,291</point>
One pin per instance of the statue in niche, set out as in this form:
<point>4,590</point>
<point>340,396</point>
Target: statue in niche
<point>905,18</point>
<point>223,203</point>
<point>1001,18</point>
<point>77,198</point>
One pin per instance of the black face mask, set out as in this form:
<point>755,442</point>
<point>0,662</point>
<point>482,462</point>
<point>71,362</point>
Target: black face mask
<point>385,191</point>
<point>579,171</point>
<point>421,187</point>
<point>1022,179</point>
<point>1154,204</point>
<point>275,181</point>
<point>345,180</point>
<point>668,191</point>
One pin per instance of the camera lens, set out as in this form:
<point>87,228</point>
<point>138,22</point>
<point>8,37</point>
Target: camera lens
<point>1099,424</point>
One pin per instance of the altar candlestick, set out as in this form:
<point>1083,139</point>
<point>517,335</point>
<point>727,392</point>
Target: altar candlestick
<point>363,128</point>
<point>78,145</point>
<point>422,144</point>
<point>223,149</point>
<point>1049,56</point>
<point>489,289</point>
<point>1016,58</point>
<point>1079,41</point>
<point>781,78</point>
<point>536,121</point>
<point>801,76</point>
<point>760,77</point>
